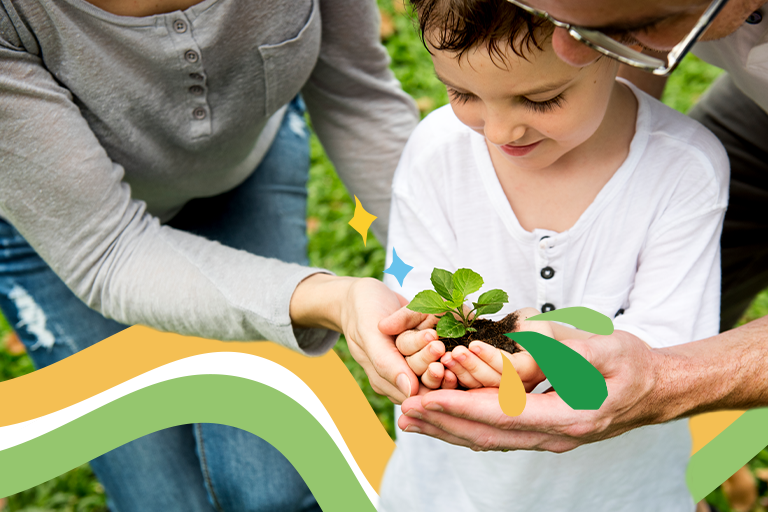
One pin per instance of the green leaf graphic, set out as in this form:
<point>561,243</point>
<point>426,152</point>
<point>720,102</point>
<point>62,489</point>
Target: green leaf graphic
<point>449,327</point>
<point>576,381</point>
<point>428,302</point>
<point>442,280</point>
<point>581,318</point>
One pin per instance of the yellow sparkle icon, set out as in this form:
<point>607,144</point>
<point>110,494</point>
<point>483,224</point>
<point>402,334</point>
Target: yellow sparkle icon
<point>362,220</point>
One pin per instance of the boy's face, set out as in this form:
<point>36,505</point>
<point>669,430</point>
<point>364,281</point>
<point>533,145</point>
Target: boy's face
<point>531,111</point>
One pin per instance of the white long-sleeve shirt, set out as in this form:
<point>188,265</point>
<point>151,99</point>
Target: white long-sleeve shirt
<point>110,124</point>
<point>647,245</point>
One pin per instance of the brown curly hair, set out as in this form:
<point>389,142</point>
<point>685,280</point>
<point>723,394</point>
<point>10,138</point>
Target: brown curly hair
<point>460,25</point>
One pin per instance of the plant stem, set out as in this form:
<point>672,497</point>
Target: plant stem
<point>460,311</point>
<point>472,320</point>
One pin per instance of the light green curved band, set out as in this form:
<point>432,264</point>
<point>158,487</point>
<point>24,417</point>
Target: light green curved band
<point>225,400</point>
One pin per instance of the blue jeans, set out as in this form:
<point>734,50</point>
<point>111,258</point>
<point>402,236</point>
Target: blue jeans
<point>189,468</point>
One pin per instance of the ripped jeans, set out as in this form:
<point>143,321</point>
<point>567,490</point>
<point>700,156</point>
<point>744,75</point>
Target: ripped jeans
<point>189,468</point>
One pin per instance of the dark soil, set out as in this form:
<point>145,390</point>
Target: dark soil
<point>490,332</point>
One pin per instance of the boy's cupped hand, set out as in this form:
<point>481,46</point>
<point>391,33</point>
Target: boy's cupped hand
<point>478,366</point>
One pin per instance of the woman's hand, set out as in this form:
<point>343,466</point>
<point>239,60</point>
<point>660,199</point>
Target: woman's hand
<point>355,307</point>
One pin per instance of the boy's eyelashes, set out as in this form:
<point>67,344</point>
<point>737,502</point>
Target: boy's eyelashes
<point>459,97</point>
<point>536,106</point>
<point>544,106</point>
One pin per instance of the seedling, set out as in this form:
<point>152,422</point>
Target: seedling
<point>451,290</point>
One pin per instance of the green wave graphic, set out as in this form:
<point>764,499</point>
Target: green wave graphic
<point>226,400</point>
<point>716,461</point>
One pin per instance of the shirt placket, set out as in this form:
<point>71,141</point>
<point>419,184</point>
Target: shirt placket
<point>193,83</point>
<point>549,255</point>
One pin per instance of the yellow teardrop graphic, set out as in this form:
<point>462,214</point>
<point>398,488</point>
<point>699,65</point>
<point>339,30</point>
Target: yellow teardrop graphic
<point>511,390</point>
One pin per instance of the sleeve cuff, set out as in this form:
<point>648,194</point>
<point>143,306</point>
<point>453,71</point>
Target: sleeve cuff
<point>306,341</point>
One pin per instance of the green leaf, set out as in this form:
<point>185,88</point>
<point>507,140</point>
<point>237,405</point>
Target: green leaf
<point>442,280</point>
<point>465,281</point>
<point>487,309</point>
<point>490,302</point>
<point>449,327</point>
<point>429,302</point>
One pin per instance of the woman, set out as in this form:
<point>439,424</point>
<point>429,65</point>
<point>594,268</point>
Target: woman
<point>153,163</point>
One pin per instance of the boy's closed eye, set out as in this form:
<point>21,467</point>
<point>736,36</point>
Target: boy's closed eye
<point>537,105</point>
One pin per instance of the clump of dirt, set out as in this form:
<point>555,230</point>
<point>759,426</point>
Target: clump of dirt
<point>490,332</point>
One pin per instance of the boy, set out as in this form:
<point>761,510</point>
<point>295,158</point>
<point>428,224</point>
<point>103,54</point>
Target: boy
<point>563,187</point>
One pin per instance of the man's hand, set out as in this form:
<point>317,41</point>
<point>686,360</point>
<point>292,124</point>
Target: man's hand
<point>474,418</point>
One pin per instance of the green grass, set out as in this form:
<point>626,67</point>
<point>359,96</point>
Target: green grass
<point>334,245</point>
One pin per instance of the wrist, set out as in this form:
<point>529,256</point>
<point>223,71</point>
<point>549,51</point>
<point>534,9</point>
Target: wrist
<point>695,378</point>
<point>318,301</point>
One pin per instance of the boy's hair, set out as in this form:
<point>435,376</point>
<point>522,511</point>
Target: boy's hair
<point>460,25</point>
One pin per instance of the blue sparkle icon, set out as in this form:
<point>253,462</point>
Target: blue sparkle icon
<point>398,268</point>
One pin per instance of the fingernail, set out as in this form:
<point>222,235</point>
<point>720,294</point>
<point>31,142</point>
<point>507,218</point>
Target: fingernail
<point>413,413</point>
<point>460,358</point>
<point>433,407</point>
<point>475,349</point>
<point>429,336</point>
<point>404,384</point>
<point>435,351</point>
<point>412,428</point>
<point>450,363</point>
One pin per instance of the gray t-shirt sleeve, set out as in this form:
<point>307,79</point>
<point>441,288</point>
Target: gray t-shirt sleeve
<point>59,188</point>
<point>360,113</point>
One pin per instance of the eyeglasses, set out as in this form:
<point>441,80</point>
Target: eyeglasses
<point>609,46</point>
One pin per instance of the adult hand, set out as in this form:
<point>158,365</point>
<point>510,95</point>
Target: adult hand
<point>370,302</point>
<point>474,418</point>
<point>417,340</point>
<point>355,307</point>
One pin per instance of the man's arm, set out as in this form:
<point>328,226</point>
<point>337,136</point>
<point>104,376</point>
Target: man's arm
<point>727,371</point>
<point>645,387</point>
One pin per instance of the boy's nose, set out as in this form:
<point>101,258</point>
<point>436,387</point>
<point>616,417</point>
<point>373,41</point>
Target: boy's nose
<point>500,132</point>
<point>571,51</point>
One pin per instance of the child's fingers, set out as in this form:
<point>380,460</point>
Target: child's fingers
<point>479,369</point>
<point>433,377</point>
<point>464,377</point>
<point>429,354</point>
<point>449,380</point>
<point>490,355</point>
<point>527,369</point>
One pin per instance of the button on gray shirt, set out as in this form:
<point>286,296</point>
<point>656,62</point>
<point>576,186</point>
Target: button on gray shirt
<point>110,124</point>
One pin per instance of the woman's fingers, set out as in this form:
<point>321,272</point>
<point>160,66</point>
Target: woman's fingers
<point>433,377</point>
<point>410,342</point>
<point>482,372</point>
<point>401,320</point>
<point>429,354</point>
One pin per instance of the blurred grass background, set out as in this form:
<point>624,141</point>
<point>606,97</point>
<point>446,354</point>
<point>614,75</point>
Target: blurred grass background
<point>334,245</point>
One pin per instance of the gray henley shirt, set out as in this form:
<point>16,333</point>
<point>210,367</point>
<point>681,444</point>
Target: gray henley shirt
<point>110,124</point>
